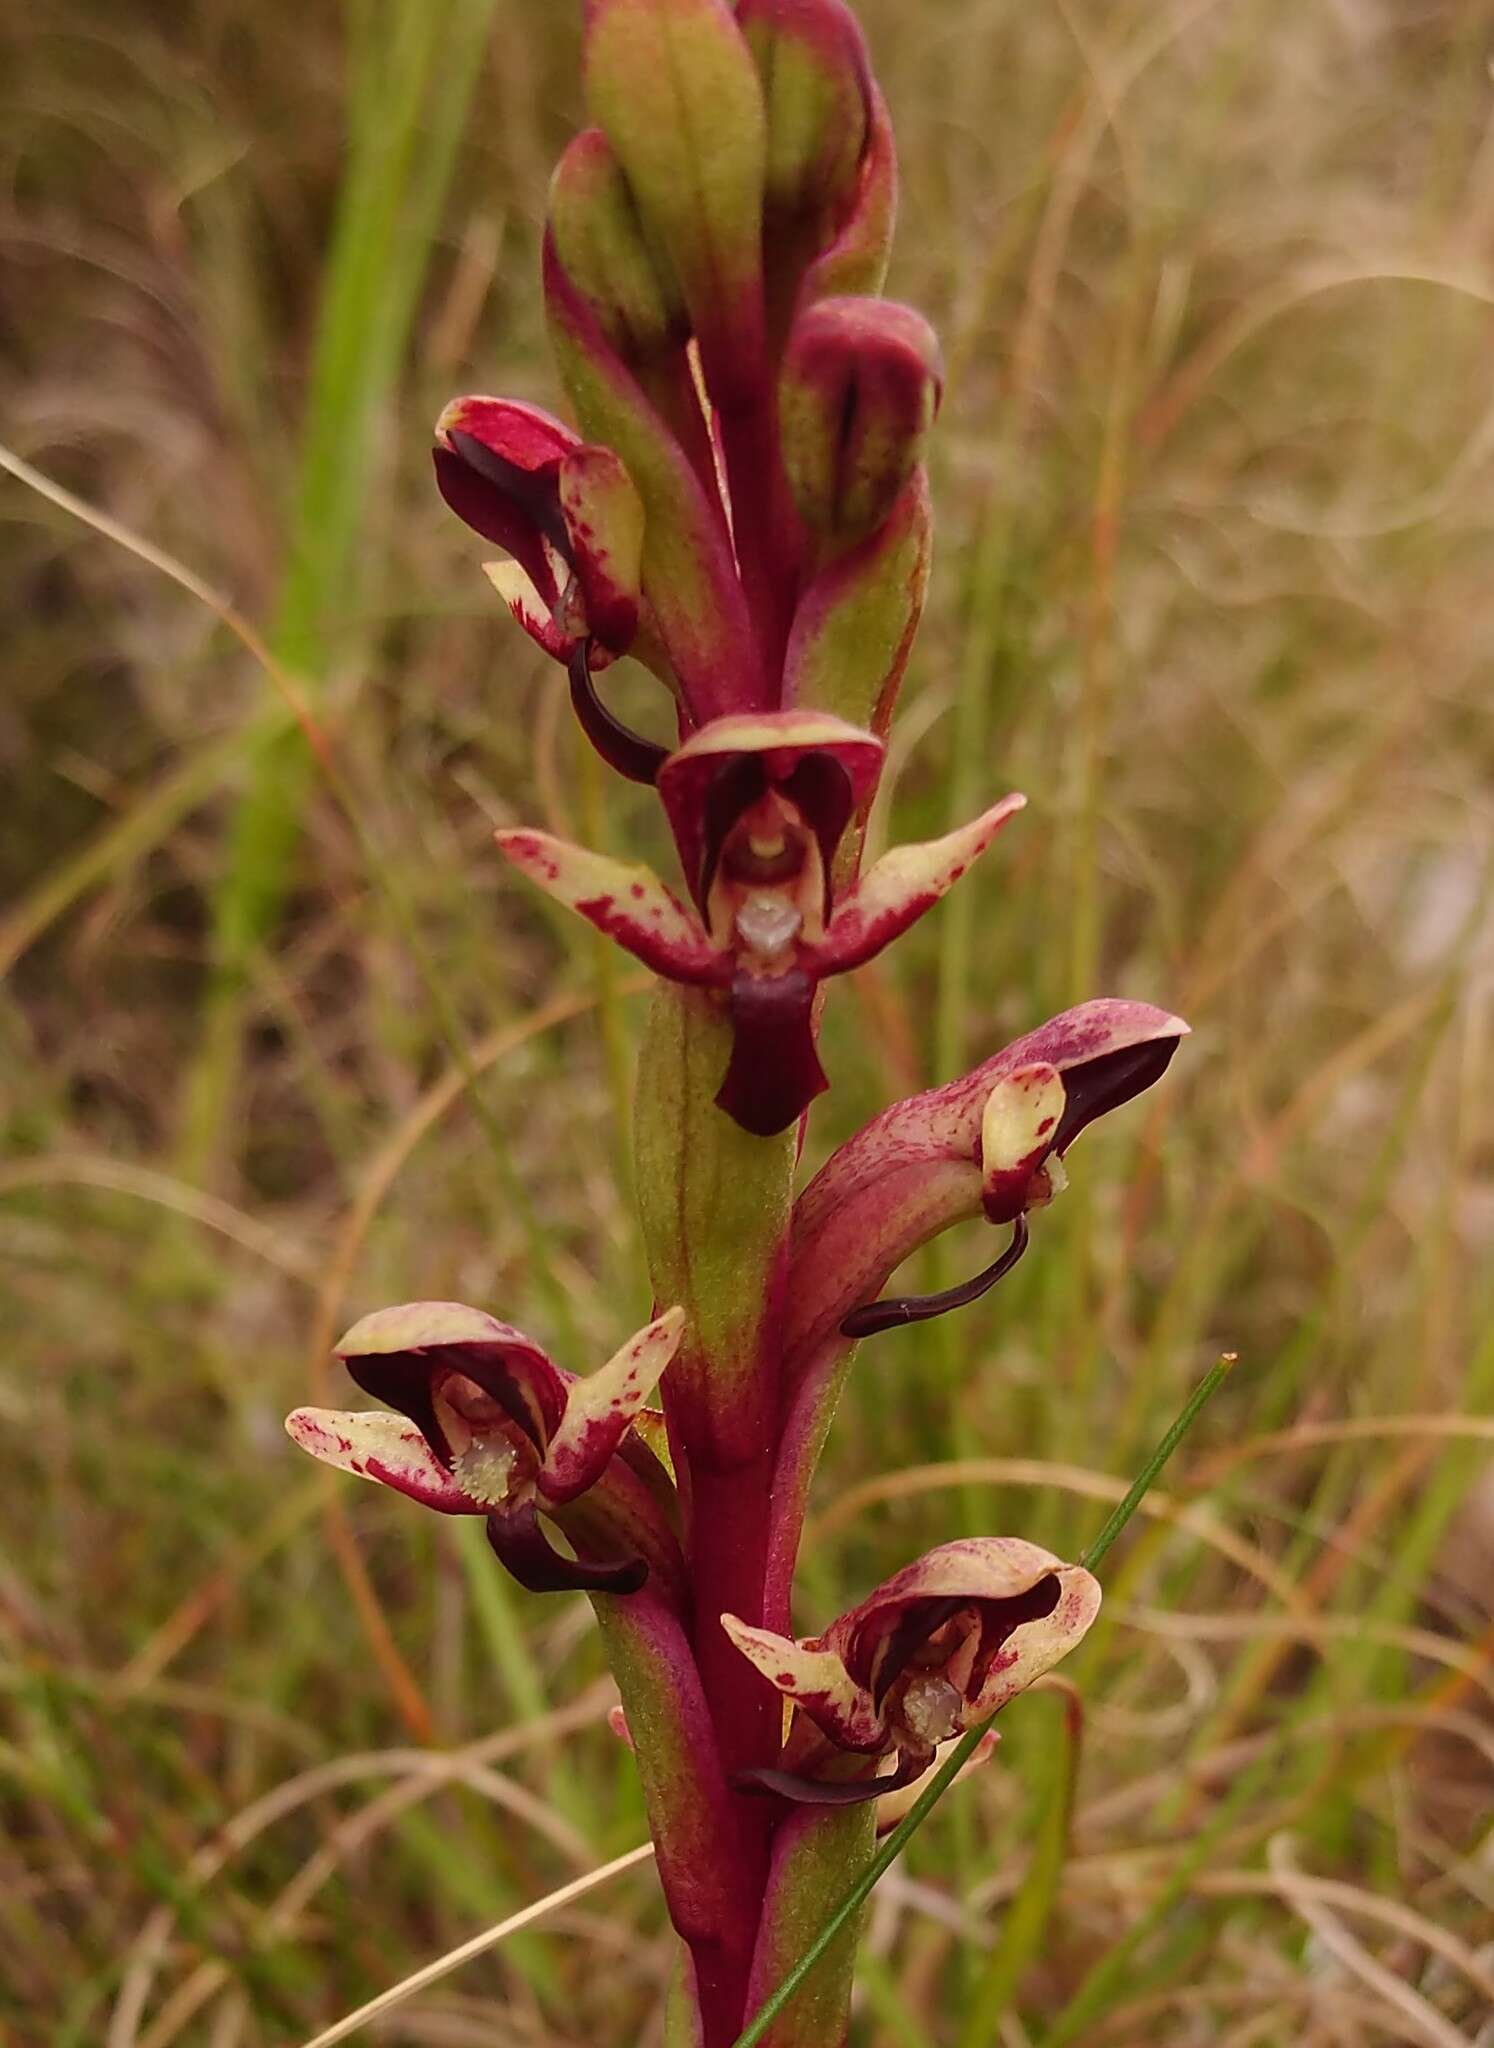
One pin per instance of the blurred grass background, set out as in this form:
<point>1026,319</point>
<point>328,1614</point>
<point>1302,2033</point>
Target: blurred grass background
<point>282,1040</point>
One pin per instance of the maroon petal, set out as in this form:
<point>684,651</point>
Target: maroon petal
<point>1108,1082</point>
<point>826,797</point>
<point>516,508</point>
<point>523,1549</point>
<point>774,1072</point>
<point>875,1316</point>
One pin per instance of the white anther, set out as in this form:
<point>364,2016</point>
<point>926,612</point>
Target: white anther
<point>768,925</point>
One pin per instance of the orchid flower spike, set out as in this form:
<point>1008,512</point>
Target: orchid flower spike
<point>935,1650</point>
<point>487,1424</point>
<point>758,807</point>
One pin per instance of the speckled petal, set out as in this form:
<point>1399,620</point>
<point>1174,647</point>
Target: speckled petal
<point>374,1445</point>
<point>600,1408</point>
<point>816,1680</point>
<point>901,887</point>
<point>629,903</point>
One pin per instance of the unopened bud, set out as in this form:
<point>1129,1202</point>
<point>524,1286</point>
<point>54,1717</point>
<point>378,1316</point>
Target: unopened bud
<point>861,384</point>
<point>600,239</point>
<point>673,85</point>
<point>815,76</point>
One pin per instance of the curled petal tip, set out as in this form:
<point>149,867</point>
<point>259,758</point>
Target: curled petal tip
<point>669,1327</point>
<point>524,1550</point>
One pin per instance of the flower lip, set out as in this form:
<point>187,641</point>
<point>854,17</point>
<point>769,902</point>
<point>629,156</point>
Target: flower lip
<point>524,1550</point>
<point>833,1791</point>
<point>774,1070</point>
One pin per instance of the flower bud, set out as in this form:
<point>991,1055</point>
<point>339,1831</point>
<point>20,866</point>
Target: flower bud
<point>861,384</point>
<point>672,84</point>
<point>812,62</point>
<point>600,239</point>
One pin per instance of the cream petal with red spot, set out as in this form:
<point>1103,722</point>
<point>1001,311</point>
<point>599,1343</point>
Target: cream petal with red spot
<point>817,1682</point>
<point>600,1408</point>
<point>374,1445</point>
<point>514,586</point>
<point>902,885</point>
<point>1017,1128</point>
<point>627,902</point>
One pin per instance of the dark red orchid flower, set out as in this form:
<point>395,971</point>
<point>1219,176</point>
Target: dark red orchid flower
<point>758,807</point>
<point>940,1647</point>
<point>492,1426</point>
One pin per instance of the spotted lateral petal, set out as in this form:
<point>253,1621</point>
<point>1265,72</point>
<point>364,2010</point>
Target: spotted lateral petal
<point>627,902</point>
<point>515,586</point>
<point>386,1448</point>
<point>817,1681</point>
<point>905,883</point>
<point>600,1408</point>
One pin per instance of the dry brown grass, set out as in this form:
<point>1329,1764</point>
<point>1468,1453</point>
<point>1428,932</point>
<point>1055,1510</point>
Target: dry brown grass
<point>1216,281</point>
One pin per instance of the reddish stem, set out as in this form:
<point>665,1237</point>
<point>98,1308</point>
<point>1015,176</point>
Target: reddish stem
<point>766,529</point>
<point>729,1524</point>
<point>730,1516</point>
